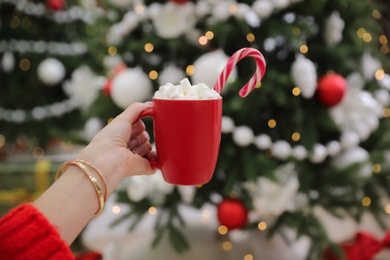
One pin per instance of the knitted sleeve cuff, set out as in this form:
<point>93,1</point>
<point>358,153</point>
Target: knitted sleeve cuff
<point>25,233</point>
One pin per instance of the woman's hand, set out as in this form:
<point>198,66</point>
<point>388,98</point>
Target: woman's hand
<point>117,151</point>
<point>120,149</point>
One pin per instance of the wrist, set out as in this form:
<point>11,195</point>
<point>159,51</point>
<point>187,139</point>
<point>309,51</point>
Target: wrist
<point>94,176</point>
<point>104,164</point>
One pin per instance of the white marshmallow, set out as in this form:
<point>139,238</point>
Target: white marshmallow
<point>186,91</point>
<point>204,94</point>
<point>178,96</point>
<point>185,84</point>
<point>192,92</point>
<point>192,97</point>
<point>202,86</point>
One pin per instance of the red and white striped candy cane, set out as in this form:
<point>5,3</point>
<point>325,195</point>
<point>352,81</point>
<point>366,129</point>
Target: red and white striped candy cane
<point>233,60</point>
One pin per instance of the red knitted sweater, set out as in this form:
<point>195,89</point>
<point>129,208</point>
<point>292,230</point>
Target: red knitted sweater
<point>26,234</point>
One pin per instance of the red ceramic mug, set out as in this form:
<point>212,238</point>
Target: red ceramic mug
<point>187,135</point>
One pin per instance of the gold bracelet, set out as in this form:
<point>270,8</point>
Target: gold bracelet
<point>99,173</point>
<point>94,181</point>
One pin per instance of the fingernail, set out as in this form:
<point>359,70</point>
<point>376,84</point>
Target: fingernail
<point>137,150</point>
<point>133,143</point>
<point>148,102</point>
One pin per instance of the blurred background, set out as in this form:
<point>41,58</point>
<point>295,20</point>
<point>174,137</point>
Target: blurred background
<point>304,162</point>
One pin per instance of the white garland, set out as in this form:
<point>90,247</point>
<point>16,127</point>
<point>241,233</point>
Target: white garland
<point>39,112</point>
<point>72,14</point>
<point>369,109</point>
<point>56,109</point>
<point>161,16</point>
<point>56,48</point>
<point>155,188</point>
<point>82,88</point>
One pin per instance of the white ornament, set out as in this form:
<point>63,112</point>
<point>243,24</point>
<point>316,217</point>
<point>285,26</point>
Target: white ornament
<point>209,66</point>
<point>385,82</point>
<point>172,20</point>
<point>193,36</point>
<point>357,113</point>
<point>8,62</point>
<point>270,199</point>
<point>369,66</point>
<point>151,187</point>
<point>83,86</point>
<point>122,3</point>
<point>129,86</point>
<point>382,96</point>
<point>281,149</point>
<point>227,125</point>
<point>89,4</point>
<point>51,71</point>
<point>187,193</point>
<point>92,127</point>
<point>202,8</point>
<point>351,156</point>
<point>39,113</point>
<point>263,141</point>
<point>334,27</point>
<point>355,81</point>
<point>130,21</point>
<point>112,62</point>
<point>171,74</point>
<point>243,135</point>
<point>18,116</point>
<point>333,147</point>
<point>221,11</point>
<point>263,8</point>
<point>242,10</point>
<point>372,123</point>
<point>116,33</point>
<point>280,4</point>
<point>361,129</point>
<point>270,44</point>
<point>299,152</point>
<point>119,30</point>
<point>304,75</point>
<point>349,140</point>
<point>57,109</point>
<point>252,19</point>
<point>319,153</point>
<point>136,189</point>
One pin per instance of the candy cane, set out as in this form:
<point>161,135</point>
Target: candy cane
<point>233,60</point>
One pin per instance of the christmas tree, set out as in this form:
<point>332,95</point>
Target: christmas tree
<point>314,135</point>
<point>43,61</point>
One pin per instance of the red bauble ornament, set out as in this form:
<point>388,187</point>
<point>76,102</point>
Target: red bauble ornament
<point>107,88</point>
<point>331,89</point>
<point>232,213</point>
<point>55,5</point>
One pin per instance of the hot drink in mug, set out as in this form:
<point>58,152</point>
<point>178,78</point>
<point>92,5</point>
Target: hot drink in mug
<point>187,132</point>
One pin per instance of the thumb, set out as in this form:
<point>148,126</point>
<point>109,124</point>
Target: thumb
<point>132,112</point>
<point>121,125</point>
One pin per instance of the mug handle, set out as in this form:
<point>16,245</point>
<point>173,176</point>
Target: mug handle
<point>149,113</point>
